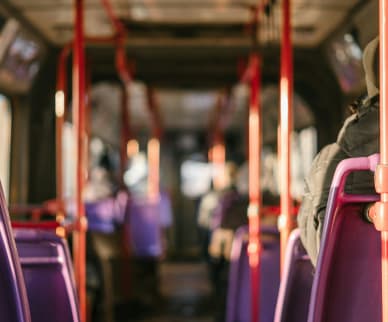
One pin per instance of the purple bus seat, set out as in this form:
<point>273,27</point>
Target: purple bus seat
<point>295,286</point>
<point>105,215</point>
<point>238,298</point>
<point>13,296</point>
<point>143,228</point>
<point>100,215</point>
<point>166,215</point>
<point>347,282</point>
<point>48,274</point>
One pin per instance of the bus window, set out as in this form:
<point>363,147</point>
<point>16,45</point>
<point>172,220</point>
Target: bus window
<point>5,139</point>
<point>196,177</point>
<point>345,57</point>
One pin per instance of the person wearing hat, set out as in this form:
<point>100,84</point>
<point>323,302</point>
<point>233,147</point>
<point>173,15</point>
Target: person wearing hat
<point>359,136</point>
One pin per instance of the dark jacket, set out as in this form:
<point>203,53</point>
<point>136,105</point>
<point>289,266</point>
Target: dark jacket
<point>359,136</point>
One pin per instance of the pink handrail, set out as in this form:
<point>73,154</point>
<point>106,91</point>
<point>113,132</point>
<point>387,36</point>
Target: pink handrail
<point>381,175</point>
<point>286,123</point>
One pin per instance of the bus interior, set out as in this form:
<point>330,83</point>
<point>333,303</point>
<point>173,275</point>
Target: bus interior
<point>125,123</point>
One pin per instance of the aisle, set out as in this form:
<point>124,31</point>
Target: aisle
<point>186,294</point>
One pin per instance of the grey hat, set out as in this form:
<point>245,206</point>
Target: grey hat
<point>369,57</point>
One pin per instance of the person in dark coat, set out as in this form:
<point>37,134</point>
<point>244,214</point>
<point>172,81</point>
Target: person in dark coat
<point>358,137</point>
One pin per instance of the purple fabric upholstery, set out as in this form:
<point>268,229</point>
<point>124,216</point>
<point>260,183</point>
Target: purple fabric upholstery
<point>13,296</point>
<point>347,283</point>
<point>297,279</point>
<point>143,225</point>
<point>48,275</point>
<point>105,215</point>
<point>100,215</point>
<point>165,210</point>
<point>238,299</point>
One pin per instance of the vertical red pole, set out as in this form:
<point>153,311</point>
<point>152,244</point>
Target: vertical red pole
<point>124,133</point>
<point>381,174</point>
<point>153,149</point>
<point>87,127</point>
<point>79,239</point>
<point>286,123</point>
<point>384,267</point>
<point>125,149</point>
<point>122,69</point>
<point>254,163</point>
<point>60,106</point>
<point>153,168</point>
<point>218,144</point>
<point>218,160</point>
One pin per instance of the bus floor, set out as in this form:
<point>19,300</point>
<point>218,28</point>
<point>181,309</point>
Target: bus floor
<point>184,295</point>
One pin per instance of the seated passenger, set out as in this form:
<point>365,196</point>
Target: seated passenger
<point>358,137</point>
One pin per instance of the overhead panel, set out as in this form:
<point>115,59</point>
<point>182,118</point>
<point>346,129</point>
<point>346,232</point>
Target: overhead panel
<point>184,42</point>
<point>186,109</point>
<point>55,18</point>
<point>106,110</point>
<point>312,19</point>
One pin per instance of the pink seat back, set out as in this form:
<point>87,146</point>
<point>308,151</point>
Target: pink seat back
<point>347,283</point>
<point>48,274</point>
<point>143,227</point>
<point>13,297</point>
<point>295,287</point>
<point>239,285</point>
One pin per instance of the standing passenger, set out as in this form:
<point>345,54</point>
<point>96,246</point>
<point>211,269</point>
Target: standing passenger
<point>209,204</point>
<point>358,137</point>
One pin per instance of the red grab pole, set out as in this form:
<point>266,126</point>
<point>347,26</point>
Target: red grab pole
<point>125,133</point>
<point>381,175</point>
<point>126,79</point>
<point>153,149</point>
<point>286,123</point>
<point>60,108</point>
<point>79,240</point>
<point>117,24</point>
<point>217,150</point>
<point>254,163</point>
<point>218,160</point>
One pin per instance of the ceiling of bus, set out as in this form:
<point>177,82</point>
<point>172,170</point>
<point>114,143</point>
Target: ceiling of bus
<point>187,49</point>
<point>188,21</point>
